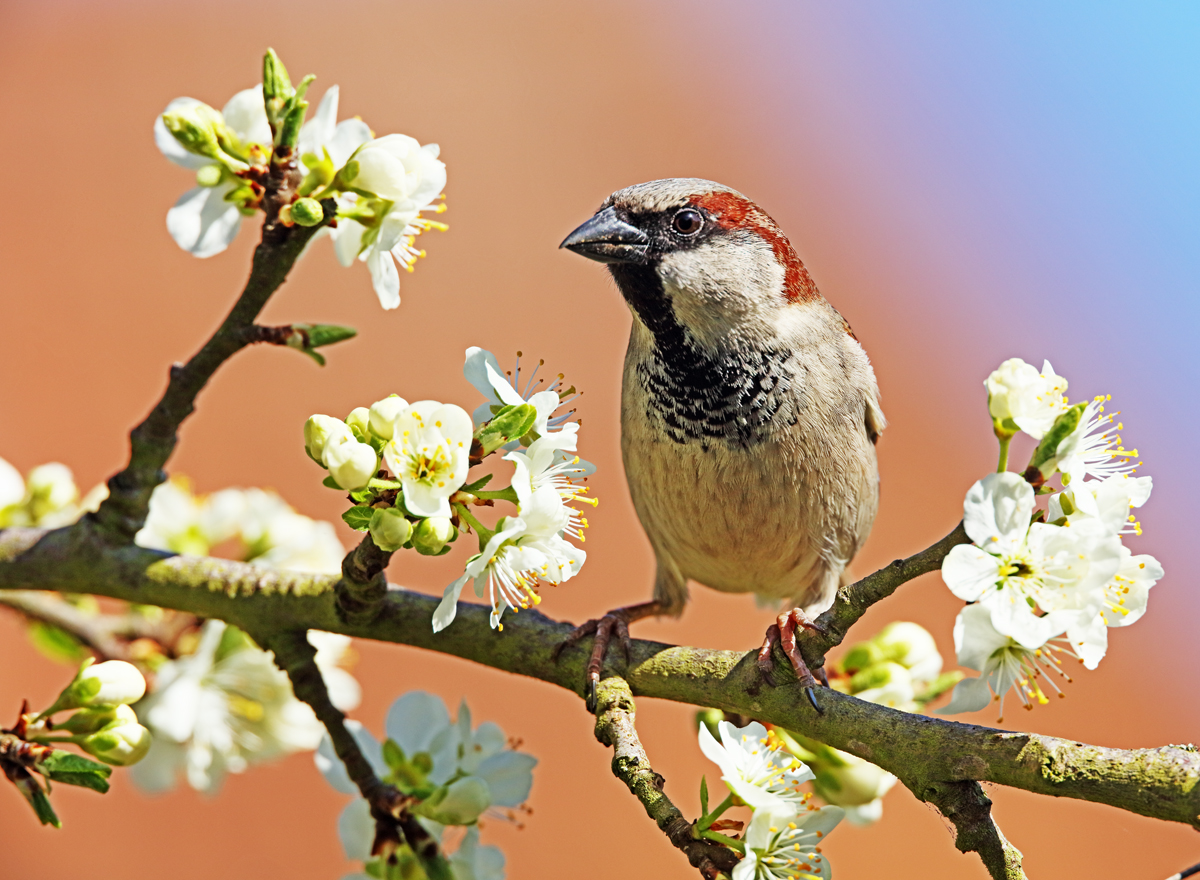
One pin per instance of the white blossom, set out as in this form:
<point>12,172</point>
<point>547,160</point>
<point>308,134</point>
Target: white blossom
<point>351,463</point>
<point>1004,663</point>
<point>1105,502</point>
<point>783,845</point>
<point>483,371</point>
<point>204,221</point>
<point>854,784</point>
<point>1093,449</point>
<point>1016,570</point>
<point>756,767</point>
<point>324,138</point>
<point>1020,395</point>
<point>430,453</point>
<point>12,489</point>
<point>223,708</point>
<point>477,769</point>
<point>406,178</point>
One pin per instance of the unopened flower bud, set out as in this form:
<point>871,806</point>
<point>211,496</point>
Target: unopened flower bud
<point>358,421</point>
<point>887,683</point>
<point>862,656</point>
<point>318,431</point>
<point>852,782</point>
<point>432,534</point>
<point>121,743</point>
<point>463,803</point>
<point>350,463</point>
<point>209,176</point>
<point>390,530</point>
<point>51,488</point>
<point>90,720</point>
<point>307,212</point>
<point>910,645</point>
<point>384,414</point>
<point>102,684</point>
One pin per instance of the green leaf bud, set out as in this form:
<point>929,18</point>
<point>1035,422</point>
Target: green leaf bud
<point>460,803</point>
<point>209,175</point>
<point>862,656</point>
<point>509,423</point>
<point>390,529</point>
<point>1045,457</point>
<point>121,743</point>
<point>432,535</point>
<point>307,212</point>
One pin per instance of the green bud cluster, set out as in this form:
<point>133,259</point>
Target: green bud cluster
<point>285,103</point>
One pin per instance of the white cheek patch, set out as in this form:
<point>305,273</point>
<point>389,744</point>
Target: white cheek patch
<point>726,283</point>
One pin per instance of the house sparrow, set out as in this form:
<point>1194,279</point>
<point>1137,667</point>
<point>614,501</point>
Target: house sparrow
<point>749,410</point>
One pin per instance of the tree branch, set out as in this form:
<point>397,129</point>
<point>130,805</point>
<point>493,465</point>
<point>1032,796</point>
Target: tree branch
<point>152,442</point>
<point>1163,783</point>
<point>107,635</point>
<point>965,804</point>
<point>389,806</point>
<point>615,727</point>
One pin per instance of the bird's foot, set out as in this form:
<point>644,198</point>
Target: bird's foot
<point>783,634</point>
<point>614,623</point>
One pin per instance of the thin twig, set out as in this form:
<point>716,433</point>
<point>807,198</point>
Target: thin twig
<point>389,806</point>
<point>151,443</point>
<point>965,804</point>
<point>107,635</point>
<point>615,727</point>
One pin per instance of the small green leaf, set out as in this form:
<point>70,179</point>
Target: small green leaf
<point>327,334</point>
<point>55,643</point>
<point>72,769</point>
<point>393,755</point>
<point>703,796</point>
<point>508,424</point>
<point>331,483</point>
<point>478,484</point>
<point>359,517</point>
<point>365,495</point>
<point>1047,450</point>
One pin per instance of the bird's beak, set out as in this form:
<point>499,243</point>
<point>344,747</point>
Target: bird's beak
<point>608,239</point>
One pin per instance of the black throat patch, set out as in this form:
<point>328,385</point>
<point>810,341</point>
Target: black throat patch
<point>734,395</point>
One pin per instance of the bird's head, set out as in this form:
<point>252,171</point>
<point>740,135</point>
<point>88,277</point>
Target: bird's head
<point>696,252</point>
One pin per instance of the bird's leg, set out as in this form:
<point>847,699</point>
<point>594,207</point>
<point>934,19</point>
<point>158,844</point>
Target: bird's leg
<point>783,633</point>
<point>616,623</point>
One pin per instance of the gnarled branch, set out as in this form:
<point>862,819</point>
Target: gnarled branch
<point>615,727</point>
<point>1162,783</point>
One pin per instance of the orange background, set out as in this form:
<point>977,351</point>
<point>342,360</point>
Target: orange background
<point>541,110</point>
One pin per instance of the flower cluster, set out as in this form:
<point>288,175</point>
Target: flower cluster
<point>405,467</point>
<point>101,724</point>
<point>458,774</point>
<point>226,706</point>
<point>380,185</point>
<point>1046,581</point>
<point>269,532</point>
<point>46,497</point>
<point>899,667</point>
<point>785,831</point>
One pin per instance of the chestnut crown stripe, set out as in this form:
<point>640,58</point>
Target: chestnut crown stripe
<point>735,211</point>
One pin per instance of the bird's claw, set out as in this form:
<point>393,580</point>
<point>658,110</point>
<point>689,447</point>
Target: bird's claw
<point>603,628</point>
<point>783,634</point>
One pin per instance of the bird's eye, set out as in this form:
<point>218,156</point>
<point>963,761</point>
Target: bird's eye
<point>687,222</point>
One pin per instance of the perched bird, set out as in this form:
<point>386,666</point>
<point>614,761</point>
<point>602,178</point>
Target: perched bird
<point>749,410</point>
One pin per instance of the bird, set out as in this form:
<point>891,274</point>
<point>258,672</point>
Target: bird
<point>749,411</point>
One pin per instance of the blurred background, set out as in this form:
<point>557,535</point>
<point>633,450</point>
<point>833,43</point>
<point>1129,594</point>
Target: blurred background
<point>965,183</point>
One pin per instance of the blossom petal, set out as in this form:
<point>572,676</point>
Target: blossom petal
<point>320,128</point>
<point>996,511</point>
<point>509,776</point>
<point>444,614</point>
<point>347,241</point>
<point>246,115</point>
<point>356,829</point>
<point>202,222</point>
<point>968,571</point>
<point>349,135</point>
<point>970,695</point>
<point>415,720</point>
<point>385,278</point>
